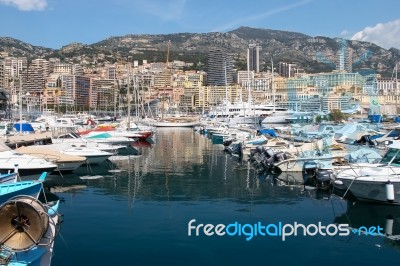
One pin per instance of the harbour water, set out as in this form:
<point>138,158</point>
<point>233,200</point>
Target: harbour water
<point>136,212</point>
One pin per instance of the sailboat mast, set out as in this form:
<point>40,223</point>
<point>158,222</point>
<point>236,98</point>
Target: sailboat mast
<point>226,85</point>
<point>20,105</point>
<point>272,84</point>
<point>116,92</point>
<point>128,96</point>
<point>397,88</point>
<point>249,100</point>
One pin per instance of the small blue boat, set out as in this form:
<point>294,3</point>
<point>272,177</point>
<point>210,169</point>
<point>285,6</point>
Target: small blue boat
<point>376,118</point>
<point>30,188</point>
<point>8,178</point>
<point>27,231</point>
<point>28,227</point>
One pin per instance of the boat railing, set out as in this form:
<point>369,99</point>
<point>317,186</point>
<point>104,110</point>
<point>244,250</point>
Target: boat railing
<point>47,157</point>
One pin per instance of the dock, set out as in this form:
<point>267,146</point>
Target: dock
<point>15,141</point>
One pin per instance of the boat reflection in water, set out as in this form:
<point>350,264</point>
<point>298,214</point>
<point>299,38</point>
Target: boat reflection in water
<point>142,143</point>
<point>295,181</point>
<point>364,215</point>
<point>144,205</point>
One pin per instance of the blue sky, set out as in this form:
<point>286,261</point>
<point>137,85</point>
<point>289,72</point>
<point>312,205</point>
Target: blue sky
<point>55,23</point>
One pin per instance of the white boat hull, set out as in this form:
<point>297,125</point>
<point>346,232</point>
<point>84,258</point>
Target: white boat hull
<point>96,159</point>
<point>368,190</point>
<point>369,183</point>
<point>296,165</point>
<point>175,124</point>
<point>68,166</point>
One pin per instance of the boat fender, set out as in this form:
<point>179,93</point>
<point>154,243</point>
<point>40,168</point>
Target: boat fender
<point>389,191</point>
<point>389,225</point>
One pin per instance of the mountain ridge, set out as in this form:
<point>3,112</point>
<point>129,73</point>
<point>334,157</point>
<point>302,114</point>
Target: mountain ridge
<point>314,54</point>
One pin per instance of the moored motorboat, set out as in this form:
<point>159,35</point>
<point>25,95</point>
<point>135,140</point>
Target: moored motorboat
<point>8,178</point>
<point>93,156</point>
<point>379,182</point>
<point>27,231</point>
<point>64,162</point>
<point>27,165</point>
<point>99,143</point>
<point>31,188</point>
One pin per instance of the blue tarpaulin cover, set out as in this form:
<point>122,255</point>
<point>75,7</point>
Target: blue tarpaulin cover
<point>26,127</point>
<point>267,131</point>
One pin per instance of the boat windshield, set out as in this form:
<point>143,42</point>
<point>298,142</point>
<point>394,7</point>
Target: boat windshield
<point>392,157</point>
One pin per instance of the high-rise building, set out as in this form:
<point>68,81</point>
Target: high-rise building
<point>344,57</point>
<point>62,68</point>
<point>37,73</point>
<point>288,70</point>
<point>219,68</point>
<point>1,75</point>
<point>103,93</point>
<point>14,67</point>
<point>82,89</point>
<point>253,57</point>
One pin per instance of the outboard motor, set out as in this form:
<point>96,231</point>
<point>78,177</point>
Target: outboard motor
<point>254,152</point>
<point>268,158</point>
<point>236,148</point>
<point>268,163</point>
<point>227,142</point>
<point>366,139</point>
<point>269,153</point>
<point>279,157</point>
<point>310,169</point>
<point>325,178</point>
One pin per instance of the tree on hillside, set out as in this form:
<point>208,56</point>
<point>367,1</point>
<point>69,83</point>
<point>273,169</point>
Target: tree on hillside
<point>336,115</point>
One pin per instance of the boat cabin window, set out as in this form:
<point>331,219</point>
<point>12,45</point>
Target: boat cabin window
<point>74,135</point>
<point>392,156</point>
<point>394,133</point>
<point>65,137</point>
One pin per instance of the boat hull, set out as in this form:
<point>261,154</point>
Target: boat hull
<point>28,188</point>
<point>8,178</point>
<point>367,189</point>
<point>69,166</point>
<point>96,159</point>
<point>29,171</point>
<point>175,124</point>
<point>296,165</point>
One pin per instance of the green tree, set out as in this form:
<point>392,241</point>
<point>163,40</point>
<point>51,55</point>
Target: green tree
<point>337,115</point>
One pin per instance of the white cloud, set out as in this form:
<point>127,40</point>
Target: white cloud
<point>386,34</point>
<point>26,5</point>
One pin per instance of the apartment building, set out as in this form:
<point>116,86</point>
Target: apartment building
<point>219,67</point>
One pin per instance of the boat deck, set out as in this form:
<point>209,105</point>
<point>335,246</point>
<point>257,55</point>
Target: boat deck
<point>16,141</point>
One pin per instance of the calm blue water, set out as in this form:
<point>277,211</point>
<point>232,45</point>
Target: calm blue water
<point>139,214</point>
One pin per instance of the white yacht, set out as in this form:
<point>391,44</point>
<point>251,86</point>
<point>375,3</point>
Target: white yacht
<point>244,112</point>
<point>64,162</point>
<point>93,156</point>
<point>26,164</point>
<point>373,182</point>
<point>95,143</point>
